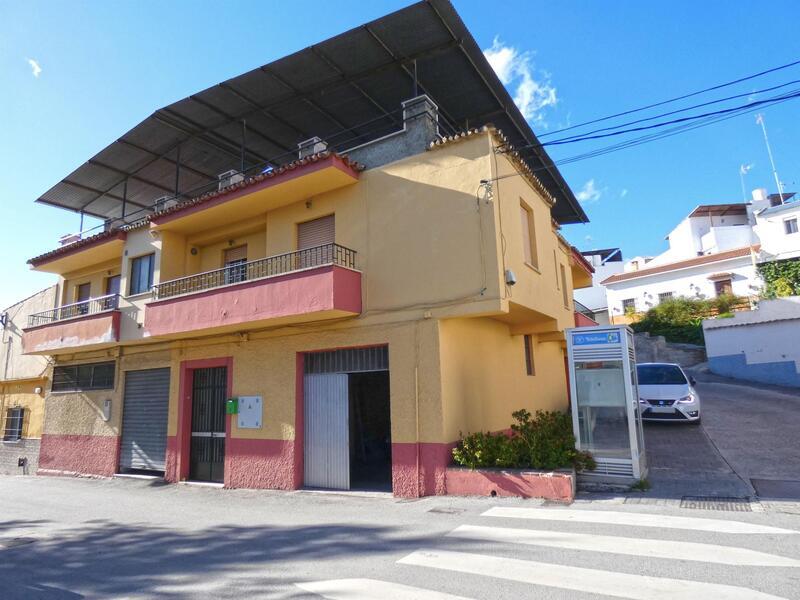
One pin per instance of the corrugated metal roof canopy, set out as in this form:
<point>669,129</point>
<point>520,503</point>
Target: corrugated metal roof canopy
<point>346,90</point>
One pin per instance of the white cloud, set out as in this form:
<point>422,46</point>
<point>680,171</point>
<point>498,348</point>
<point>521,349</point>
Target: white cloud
<point>35,68</point>
<point>532,94</point>
<point>589,192</point>
<point>623,193</point>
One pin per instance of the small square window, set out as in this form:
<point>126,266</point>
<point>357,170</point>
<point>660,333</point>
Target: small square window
<point>629,305</point>
<point>790,226</point>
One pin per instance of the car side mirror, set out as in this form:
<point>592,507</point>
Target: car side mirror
<point>692,381</point>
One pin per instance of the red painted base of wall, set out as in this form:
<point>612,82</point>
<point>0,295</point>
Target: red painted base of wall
<point>171,460</point>
<point>558,486</point>
<point>434,459</point>
<point>266,464</point>
<point>80,454</point>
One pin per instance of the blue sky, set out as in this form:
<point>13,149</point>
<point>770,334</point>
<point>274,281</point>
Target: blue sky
<point>101,67</point>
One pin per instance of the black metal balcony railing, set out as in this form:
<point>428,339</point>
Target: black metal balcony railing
<point>319,256</point>
<point>77,309</point>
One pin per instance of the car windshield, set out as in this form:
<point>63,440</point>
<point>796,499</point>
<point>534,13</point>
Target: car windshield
<point>660,375</point>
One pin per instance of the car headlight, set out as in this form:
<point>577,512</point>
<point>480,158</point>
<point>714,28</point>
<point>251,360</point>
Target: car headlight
<point>686,399</point>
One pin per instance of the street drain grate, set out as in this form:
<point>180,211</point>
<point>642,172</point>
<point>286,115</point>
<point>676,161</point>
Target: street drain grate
<point>717,503</point>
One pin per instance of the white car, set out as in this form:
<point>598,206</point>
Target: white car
<point>666,393</point>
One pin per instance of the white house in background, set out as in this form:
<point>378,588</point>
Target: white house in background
<point>713,251</point>
<point>606,262</point>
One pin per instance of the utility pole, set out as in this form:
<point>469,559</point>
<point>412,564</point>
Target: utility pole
<point>760,121</point>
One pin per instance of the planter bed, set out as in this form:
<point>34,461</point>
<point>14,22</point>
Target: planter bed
<point>521,483</point>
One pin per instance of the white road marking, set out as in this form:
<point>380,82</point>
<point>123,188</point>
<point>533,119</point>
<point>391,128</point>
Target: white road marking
<point>711,553</point>
<point>369,589</point>
<point>632,519</point>
<point>593,581</point>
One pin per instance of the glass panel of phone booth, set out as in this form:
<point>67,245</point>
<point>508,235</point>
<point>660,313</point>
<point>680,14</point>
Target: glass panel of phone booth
<point>602,408</point>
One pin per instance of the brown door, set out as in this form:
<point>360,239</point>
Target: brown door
<point>112,285</point>
<point>82,295</point>
<point>723,287</point>
<point>235,267</point>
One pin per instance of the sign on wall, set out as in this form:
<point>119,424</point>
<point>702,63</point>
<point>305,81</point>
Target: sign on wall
<point>250,412</point>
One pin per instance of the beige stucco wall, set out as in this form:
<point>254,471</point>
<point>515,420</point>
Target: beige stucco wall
<point>23,394</point>
<point>484,378</point>
<point>95,275</point>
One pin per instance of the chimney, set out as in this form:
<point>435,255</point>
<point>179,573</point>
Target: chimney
<point>421,119</point>
<point>311,146</point>
<point>760,200</point>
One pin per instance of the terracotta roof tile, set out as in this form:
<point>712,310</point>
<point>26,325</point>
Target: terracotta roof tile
<point>247,182</point>
<point>683,264</point>
<point>70,248</point>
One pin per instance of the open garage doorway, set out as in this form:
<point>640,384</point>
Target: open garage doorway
<point>347,423</point>
<point>370,431</point>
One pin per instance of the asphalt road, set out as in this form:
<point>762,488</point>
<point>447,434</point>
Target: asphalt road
<point>123,538</point>
<point>748,432</point>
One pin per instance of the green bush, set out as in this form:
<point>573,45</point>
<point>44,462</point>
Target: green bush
<point>781,278</point>
<point>541,442</point>
<point>681,319</point>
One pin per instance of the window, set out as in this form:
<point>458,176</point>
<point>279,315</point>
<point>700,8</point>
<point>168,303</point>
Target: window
<point>112,285</point>
<point>660,375</point>
<point>15,417</point>
<point>315,239</point>
<point>664,297</point>
<point>790,226</point>
<point>629,305</point>
<point>528,236</point>
<point>530,368</point>
<point>78,378</point>
<point>142,274</point>
<point>564,292</point>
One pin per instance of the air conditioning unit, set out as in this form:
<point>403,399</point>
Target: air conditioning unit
<point>311,146</point>
<point>164,203</point>
<point>229,178</point>
<point>70,238</point>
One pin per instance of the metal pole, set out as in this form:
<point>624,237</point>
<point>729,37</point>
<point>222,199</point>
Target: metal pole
<point>416,86</point>
<point>244,139</point>
<point>760,121</point>
<point>177,170</point>
<point>124,197</point>
<point>80,229</point>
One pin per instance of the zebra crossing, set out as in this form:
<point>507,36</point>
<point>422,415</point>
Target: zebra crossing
<point>546,577</point>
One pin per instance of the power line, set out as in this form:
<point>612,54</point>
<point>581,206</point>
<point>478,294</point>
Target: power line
<point>680,110</point>
<point>573,139</point>
<point>676,99</point>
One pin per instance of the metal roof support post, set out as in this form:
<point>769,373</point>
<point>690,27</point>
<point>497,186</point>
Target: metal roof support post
<point>244,140</point>
<point>416,81</point>
<point>177,169</point>
<point>124,197</point>
<point>80,229</point>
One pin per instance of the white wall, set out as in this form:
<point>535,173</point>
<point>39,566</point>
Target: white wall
<point>774,239</point>
<point>13,364</point>
<point>759,345</point>
<point>594,297</point>
<point>692,283</point>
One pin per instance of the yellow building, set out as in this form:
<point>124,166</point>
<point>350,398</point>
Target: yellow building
<point>23,380</point>
<point>335,318</point>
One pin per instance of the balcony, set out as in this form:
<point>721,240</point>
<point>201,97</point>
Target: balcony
<point>315,284</point>
<point>86,325</point>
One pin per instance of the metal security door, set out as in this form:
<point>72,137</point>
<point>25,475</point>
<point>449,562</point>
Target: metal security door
<point>144,420</point>
<point>209,388</point>
<point>327,435</point>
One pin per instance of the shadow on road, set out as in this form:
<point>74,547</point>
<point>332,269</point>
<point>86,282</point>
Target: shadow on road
<point>108,559</point>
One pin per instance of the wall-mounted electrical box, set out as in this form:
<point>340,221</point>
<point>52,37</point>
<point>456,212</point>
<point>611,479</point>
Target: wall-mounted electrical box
<point>251,413</point>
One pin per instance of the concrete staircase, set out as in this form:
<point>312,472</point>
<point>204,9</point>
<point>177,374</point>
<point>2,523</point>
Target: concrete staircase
<point>657,349</point>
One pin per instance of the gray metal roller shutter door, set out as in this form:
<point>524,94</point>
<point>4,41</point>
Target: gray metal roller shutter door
<point>144,420</point>
<point>327,435</point>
